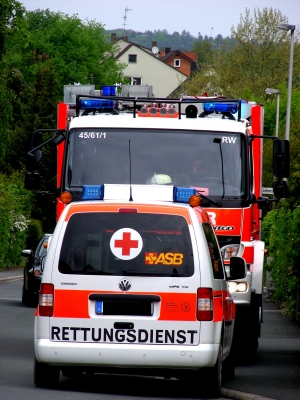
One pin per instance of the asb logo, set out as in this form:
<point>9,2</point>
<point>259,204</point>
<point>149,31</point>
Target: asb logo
<point>164,258</point>
<point>126,244</point>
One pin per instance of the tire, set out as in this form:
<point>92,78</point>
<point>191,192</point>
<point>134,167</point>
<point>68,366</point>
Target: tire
<point>29,299</point>
<point>212,377</point>
<point>246,333</point>
<point>228,370</point>
<point>24,295</point>
<point>45,376</point>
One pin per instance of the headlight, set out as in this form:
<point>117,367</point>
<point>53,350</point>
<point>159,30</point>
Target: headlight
<point>37,272</point>
<point>237,287</point>
<point>233,250</point>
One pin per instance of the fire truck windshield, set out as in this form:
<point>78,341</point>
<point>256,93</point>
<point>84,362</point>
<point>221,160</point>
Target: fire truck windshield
<point>212,162</point>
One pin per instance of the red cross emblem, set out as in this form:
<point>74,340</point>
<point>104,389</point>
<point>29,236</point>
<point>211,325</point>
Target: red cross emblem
<point>126,243</point>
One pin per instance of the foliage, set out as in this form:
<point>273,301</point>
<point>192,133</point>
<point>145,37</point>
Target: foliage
<point>34,233</point>
<point>15,206</point>
<point>175,41</point>
<point>204,50</point>
<point>77,48</point>
<point>11,22</point>
<point>281,231</point>
<point>257,59</point>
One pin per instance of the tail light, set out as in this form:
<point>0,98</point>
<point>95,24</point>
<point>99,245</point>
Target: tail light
<point>204,304</point>
<point>46,300</point>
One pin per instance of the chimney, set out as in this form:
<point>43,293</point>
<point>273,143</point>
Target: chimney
<point>167,50</point>
<point>154,44</point>
<point>113,37</point>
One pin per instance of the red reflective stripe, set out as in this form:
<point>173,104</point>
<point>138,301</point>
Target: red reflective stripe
<point>218,306</point>
<point>173,307</point>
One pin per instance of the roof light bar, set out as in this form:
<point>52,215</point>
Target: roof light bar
<point>95,104</point>
<point>221,107</point>
<point>93,192</point>
<point>182,194</point>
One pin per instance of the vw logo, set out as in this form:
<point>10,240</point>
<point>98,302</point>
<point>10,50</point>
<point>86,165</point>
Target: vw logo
<point>124,285</point>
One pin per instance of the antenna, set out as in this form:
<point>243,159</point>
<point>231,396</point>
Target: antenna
<point>125,17</point>
<point>130,195</point>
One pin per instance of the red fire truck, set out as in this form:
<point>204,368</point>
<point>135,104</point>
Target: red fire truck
<point>213,149</point>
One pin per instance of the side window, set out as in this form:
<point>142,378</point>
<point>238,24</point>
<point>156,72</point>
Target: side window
<point>213,248</point>
<point>177,63</point>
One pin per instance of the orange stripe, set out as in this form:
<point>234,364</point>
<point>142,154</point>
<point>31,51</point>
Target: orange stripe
<point>104,207</point>
<point>174,306</point>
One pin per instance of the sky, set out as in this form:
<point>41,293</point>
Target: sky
<point>209,17</point>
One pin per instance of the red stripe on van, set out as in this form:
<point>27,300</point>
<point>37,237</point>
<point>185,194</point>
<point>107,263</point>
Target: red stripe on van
<point>173,307</point>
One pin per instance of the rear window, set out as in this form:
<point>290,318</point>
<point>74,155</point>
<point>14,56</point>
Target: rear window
<point>127,244</point>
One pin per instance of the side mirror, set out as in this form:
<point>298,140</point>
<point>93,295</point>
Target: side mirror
<point>238,268</point>
<point>27,253</point>
<point>281,158</point>
<point>35,158</point>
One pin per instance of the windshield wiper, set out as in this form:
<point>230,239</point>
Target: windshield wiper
<point>216,203</point>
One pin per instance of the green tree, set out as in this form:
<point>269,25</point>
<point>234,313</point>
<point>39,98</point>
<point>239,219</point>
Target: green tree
<point>257,59</point>
<point>78,49</point>
<point>204,50</point>
<point>11,21</point>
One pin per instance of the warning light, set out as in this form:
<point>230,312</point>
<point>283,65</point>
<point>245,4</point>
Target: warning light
<point>156,110</point>
<point>93,192</point>
<point>230,107</point>
<point>182,194</point>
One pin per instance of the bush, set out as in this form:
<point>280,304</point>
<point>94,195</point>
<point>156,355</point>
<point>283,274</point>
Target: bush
<point>281,232</point>
<point>15,207</point>
<point>34,233</point>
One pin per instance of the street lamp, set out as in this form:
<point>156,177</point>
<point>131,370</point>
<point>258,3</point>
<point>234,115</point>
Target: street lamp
<point>288,27</point>
<point>277,92</point>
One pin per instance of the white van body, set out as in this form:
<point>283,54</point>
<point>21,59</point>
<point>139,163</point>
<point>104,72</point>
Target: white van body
<point>125,286</point>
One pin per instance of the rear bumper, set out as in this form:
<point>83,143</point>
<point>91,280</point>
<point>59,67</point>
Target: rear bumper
<point>125,355</point>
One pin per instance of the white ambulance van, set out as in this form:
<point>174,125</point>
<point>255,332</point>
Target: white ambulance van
<point>138,287</point>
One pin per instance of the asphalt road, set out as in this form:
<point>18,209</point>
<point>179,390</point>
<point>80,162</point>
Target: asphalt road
<point>274,374</point>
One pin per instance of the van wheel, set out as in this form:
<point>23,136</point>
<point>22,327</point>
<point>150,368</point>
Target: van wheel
<point>45,376</point>
<point>212,377</point>
<point>29,299</point>
<point>228,367</point>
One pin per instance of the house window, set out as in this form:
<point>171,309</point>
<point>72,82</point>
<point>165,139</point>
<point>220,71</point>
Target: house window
<point>132,58</point>
<point>176,62</point>
<point>136,81</point>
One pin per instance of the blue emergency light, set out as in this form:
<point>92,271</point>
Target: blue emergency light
<point>95,104</point>
<point>92,192</point>
<point>182,194</point>
<point>221,107</point>
<point>109,90</point>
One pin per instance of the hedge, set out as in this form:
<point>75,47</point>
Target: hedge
<point>15,208</point>
<point>281,232</point>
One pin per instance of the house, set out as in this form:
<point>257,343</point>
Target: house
<point>145,67</point>
<point>183,61</point>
